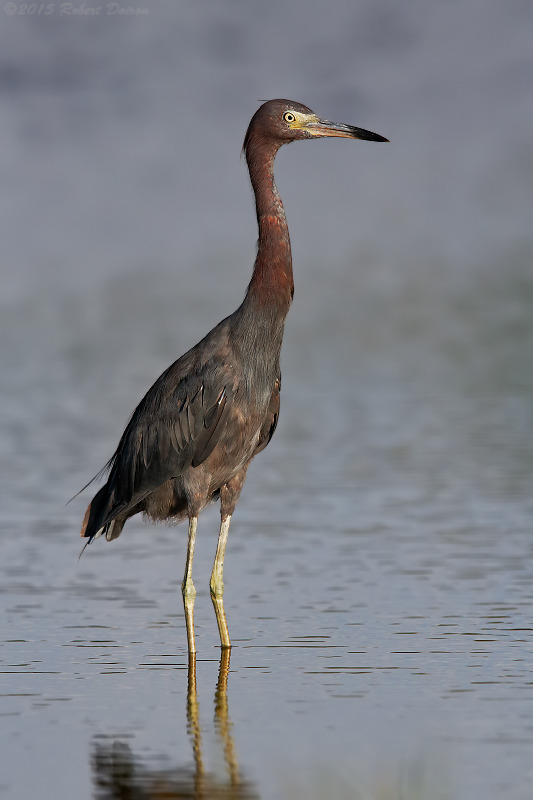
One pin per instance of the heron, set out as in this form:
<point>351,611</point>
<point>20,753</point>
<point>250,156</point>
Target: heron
<point>192,437</point>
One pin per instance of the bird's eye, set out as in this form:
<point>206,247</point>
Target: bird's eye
<point>289,117</point>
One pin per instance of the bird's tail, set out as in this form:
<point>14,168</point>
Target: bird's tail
<point>96,513</point>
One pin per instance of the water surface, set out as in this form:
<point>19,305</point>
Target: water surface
<point>378,574</point>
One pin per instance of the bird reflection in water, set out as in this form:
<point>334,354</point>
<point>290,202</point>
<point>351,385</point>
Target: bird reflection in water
<point>119,775</point>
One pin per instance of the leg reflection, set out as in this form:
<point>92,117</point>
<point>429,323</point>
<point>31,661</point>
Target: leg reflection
<point>193,726</point>
<point>222,720</point>
<point>119,773</point>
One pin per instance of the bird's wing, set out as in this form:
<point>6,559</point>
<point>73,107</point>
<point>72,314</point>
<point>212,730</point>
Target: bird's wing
<point>169,431</point>
<point>271,419</point>
<point>155,448</point>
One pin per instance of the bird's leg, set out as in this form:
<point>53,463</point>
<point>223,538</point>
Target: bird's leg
<point>187,587</point>
<point>229,494</point>
<point>217,586</point>
<point>216,583</point>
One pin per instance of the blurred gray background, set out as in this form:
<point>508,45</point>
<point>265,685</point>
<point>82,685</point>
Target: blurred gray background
<point>120,137</point>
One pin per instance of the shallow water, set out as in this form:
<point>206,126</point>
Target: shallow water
<point>378,573</point>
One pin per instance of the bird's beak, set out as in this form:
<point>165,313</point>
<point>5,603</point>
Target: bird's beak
<point>323,127</point>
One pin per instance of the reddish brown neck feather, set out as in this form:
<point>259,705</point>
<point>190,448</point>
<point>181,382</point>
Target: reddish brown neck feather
<point>272,278</point>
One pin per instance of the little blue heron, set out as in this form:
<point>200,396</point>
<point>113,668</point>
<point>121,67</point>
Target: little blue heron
<point>192,437</point>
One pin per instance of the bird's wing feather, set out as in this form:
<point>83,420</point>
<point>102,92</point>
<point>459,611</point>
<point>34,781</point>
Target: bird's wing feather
<point>170,430</point>
<point>184,433</point>
<point>271,419</point>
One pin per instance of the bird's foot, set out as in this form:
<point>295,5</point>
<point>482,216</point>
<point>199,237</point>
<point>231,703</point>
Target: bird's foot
<point>189,593</point>
<point>218,605</point>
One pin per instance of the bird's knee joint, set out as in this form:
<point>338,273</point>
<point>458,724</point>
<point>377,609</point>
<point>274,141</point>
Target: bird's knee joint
<point>217,589</point>
<point>188,591</point>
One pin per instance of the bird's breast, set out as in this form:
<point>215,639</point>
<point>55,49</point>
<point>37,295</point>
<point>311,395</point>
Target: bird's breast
<point>239,439</point>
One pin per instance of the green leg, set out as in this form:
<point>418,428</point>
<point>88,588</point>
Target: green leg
<point>217,586</point>
<point>187,587</point>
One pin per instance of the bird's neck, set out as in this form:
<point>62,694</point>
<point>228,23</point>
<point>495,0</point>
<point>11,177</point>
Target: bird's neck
<point>272,280</point>
<point>258,323</point>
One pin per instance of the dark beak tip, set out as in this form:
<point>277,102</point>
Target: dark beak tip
<point>375,137</point>
<point>369,136</point>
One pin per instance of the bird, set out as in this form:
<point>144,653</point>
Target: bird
<point>191,439</point>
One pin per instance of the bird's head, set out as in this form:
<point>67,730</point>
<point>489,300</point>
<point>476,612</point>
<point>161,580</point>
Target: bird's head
<point>283,121</point>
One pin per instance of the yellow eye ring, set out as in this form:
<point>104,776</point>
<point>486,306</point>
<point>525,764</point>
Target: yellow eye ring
<point>289,116</point>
